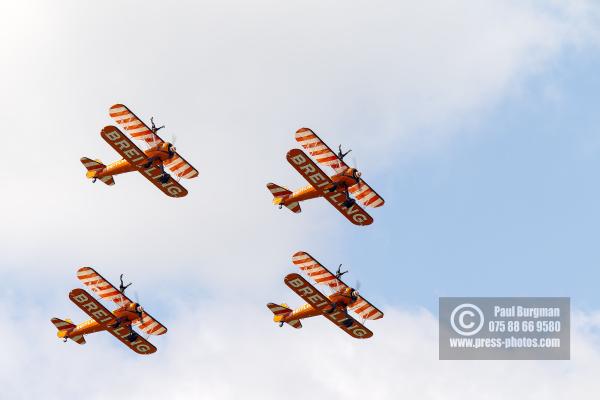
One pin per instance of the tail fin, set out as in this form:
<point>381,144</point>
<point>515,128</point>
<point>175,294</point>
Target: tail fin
<point>282,311</point>
<point>64,327</point>
<point>95,166</point>
<point>279,195</point>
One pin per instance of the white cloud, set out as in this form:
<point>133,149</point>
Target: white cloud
<point>228,350</point>
<point>233,81</point>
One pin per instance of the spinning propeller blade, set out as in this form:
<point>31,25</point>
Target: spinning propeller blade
<point>138,305</point>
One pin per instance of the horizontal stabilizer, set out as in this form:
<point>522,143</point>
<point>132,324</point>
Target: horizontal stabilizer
<point>280,312</point>
<point>64,327</point>
<point>94,167</point>
<point>279,195</point>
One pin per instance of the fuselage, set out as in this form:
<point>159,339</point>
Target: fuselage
<point>341,299</point>
<point>342,182</point>
<point>126,315</point>
<point>158,154</point>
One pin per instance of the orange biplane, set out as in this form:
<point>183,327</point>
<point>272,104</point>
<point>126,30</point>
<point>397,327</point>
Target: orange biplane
<point>333,307</point>
<point>150,163</point>
<point>335,189</point>
<point>119,323</point>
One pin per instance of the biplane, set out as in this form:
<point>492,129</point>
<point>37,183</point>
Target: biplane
<point>150,163</point>
<point>118,323</point>
<point>333,307</point>
<point>336,189</point>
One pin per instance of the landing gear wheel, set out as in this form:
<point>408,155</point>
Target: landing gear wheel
<point>149,163</point>
<point>349,202</point>
<point>132,336</point>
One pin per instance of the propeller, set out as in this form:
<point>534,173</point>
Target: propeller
<point>355,291</point>
<point>139,309</point>
<point>356,175</point>
<point>171,146</point>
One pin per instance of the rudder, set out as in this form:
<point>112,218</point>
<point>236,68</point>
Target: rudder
<point>64,327</point>
<point>279,194</point>
<point>93,167</point>
<point>280,312</point>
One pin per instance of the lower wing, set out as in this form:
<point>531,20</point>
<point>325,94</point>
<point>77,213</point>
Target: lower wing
<point>136,157</point>
<point>92,307</point>
<point>320,181</point>
<point>320,302</point>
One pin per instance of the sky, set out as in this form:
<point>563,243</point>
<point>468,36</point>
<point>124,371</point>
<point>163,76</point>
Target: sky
<point>474,120</point>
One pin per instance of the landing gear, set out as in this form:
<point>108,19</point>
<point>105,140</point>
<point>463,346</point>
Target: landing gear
<point>116,324</point>
<point>164,178</point>
<point>132,336</point>
<point>333,308</point>
<point>349,202</point>
<point>149,163</point>
<point>348,322</point>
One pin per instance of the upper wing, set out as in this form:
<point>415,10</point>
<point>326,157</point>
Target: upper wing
<point>320,181</point>
<point>322,275</point>
<point>316,271</point>
<point>366,195</point>
<point>324,155</point>
<point>101,286</point>
<point>105,290</point>
<point>319,150</point>
<point>150,325</point>
<point>138,130</point>
<point>136,157</point>
<point>106,319</point>
<point>133,125</point>
<point>320,302</point>
<point>181,168</point>
<point>365,309</point>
